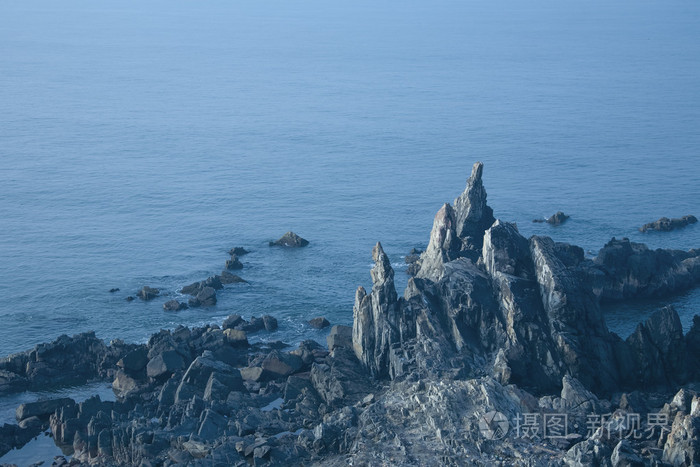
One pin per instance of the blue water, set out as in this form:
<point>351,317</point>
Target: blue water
<point>139,141</point>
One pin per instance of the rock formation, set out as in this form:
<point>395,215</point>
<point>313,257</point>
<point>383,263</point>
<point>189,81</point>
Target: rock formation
<point>665,224</point>
<point>290,240</point>
<point>493,335</point>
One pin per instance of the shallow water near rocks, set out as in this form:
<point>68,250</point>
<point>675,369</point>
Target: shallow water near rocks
<point>139,142</point>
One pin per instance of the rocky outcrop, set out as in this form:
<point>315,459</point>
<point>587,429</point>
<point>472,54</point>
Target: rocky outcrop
<point>319,322</point>
<point>147,293</point>
<point>290,240</point>
<point>625,269</point>
<point>65,361</point>
<point>238,251</point>
<point>205,297</point>
<point>233,263</point>
<point>665,224</point>
<point>174,305</point>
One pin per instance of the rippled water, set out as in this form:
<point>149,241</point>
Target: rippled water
<point>140,141</point>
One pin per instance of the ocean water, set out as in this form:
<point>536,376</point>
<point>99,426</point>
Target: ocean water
<point>139,141</point>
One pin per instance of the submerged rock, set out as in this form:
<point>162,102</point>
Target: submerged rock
<point>665,224</point>
<point>290,239</point>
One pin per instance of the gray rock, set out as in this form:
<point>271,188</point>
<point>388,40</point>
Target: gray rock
<point>41,409</point>
<point>340,336</point>
<point>291,240</point>
<point>472,215</point>
<point>147,293</point>
<point>232,321</point>
<point>228,278</point>
<point>206,297</point>
<point>174,305</point>
<point>134,361</point>
<point>165,364</point>
<point>666,225</point>
<point>624,456</point>
<point>319,322</point>
<point>236,338</point>
<point>280,365</point>
<point>233,263</point>
<point>238,251</point>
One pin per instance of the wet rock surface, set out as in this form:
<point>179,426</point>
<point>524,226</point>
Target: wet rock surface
<point>497,353</point>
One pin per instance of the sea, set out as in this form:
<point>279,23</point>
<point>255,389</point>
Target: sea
<point>140,141</point>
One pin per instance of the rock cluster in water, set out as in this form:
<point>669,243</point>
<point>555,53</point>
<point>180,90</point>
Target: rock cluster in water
<point>665,224</point>
<point>495,337</point>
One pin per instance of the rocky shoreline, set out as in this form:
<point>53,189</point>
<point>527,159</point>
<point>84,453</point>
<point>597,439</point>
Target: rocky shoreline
<point>497,353</point>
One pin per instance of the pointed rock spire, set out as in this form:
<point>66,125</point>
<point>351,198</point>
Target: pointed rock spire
<point>443,245</point>
<point>473,216</point>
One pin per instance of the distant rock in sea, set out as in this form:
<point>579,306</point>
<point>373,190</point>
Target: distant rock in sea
<point>291,240</point>
<point>555,219</point>
<point>147,293</point>
<point>665,224</point>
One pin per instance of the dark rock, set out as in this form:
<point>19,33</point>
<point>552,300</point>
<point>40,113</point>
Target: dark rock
<point>147,293</point>
<point>280,364</point>
<point>236,337</point>
<point>665,224</point>
<point>165,364</point>
<point>238,251</point>
<point>340,336</point>
<point>206,297</point>
<point>197,376</point>
<point>233,263</point>
<point>116,289</point>
<point>129,298</point>
<point>228,278</point>
<point>192,289</point>
<point>658,353</point>
<point>232,321</point>
<point>341,380</point>
<point>270,323</point>
<point>290,239</point>
<point>41,409</point>
<point>558,218</point>
<point>631,270</point>
<point>134,361</point>
<point>174,305</point>
<point>319,323</point>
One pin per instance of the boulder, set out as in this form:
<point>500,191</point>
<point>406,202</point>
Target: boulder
<point>238,251</point>
<point>134,361</point>
<point>147,293</point>
<point>340,336</point>
<point>165,364</point>
<point>174,305</point>
<point>666,225</point>
<point>232,321</point>
<point>236,337</point>
<point>228,278</point>
<point>116,289</point>
<point>197,376</point>
<point>279,364</point>
<point>206,297</point>
<point>290,240</point>
<point>233,263</point>
<point>270,323</point>
<point>558,218</point>
<point>319,323</point>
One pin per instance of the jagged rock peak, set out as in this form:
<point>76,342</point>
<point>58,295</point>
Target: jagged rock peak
<point>443,247</point>
<point>473,215</point>
<point>382,272</point>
